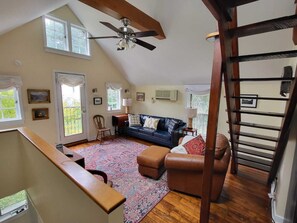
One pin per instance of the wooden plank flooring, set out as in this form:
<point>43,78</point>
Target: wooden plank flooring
<point>244,200</point>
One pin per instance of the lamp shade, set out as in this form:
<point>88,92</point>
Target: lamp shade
<point>127,102</point>
<point>191,112</point>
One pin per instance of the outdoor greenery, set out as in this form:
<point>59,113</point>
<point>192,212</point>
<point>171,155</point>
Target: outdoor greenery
<point>113,99</point>
<point>7,105</point>
<point>201,103</point>
<point>13,199</point>
<point>72,117</point>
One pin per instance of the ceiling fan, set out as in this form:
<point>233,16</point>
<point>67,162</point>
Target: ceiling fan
<point>128,38</point>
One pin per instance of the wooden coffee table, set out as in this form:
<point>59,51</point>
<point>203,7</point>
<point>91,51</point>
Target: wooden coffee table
<point>80,160</point>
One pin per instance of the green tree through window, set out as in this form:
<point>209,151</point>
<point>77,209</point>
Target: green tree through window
<point>9,105</point>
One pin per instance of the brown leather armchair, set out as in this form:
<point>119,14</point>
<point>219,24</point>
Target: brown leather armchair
<point>185,171</point>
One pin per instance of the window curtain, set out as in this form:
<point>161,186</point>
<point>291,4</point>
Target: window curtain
<point>113,86</point>
<point>71,80</point>
<point>197,89</point>
<point>7,82</point>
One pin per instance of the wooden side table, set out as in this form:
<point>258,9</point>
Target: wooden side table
<point>118,121</point>
<point>188,130</point>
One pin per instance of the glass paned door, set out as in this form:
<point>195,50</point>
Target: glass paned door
<point>72,112</point>
<point>72,115</point>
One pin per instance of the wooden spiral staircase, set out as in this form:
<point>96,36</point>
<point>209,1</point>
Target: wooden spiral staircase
<point>247,151</point>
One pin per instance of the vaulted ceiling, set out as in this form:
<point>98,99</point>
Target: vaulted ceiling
<point>183,57</point>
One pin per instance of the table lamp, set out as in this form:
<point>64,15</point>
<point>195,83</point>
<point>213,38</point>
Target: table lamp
<point>127,102</point>
<point>191,113</point>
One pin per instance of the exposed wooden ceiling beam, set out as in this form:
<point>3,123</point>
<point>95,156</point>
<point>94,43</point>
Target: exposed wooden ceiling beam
<point>120,8</point>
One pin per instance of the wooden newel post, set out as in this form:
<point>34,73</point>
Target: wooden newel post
<point>214,101</point>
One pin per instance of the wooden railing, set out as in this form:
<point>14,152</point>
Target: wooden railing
<point>60,190</point>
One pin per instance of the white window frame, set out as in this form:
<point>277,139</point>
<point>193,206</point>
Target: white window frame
<point>119,99</point>
<point>87,40</point>
<point>67,52</point>
<point>65,30</point>
<point>19,109</point>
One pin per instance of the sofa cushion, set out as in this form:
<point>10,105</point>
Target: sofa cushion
<point>147,131</point>
<point>151,123</point>
<point>195,146</point>
<point>173,124</point>
<point>134,128</point>
<point>162,134</point>
<point>134,120</point>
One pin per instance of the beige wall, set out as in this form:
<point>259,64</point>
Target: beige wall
<point>177,108</point>
<point>268,89</point>
<point>284,173</point>
<point>163,108</point>
<point>27,45</point>
<point>60,190</point>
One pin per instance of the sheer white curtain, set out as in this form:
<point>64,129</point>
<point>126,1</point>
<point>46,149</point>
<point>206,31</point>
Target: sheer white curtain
<point>114,86</point>
<point>70,79</point>
<point>7,82</point>
<point>198,97</point>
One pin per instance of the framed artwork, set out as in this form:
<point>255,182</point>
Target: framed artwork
<point>140,96</point>
<point>249,102</point>
<point>37,96</point>
<point>40,113</point>
<point>97,101</point>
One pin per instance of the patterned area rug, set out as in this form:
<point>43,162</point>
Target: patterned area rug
<point>117,159</point>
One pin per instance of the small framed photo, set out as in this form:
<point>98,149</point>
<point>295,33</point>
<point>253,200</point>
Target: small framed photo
<point>37,96</point>
<point>97,101</point>
<point>249,102</point>
<point>40,113</point>
<point>140,96</point>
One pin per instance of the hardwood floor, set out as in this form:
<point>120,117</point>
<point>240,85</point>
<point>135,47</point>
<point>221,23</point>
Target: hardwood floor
<point>243,199</point>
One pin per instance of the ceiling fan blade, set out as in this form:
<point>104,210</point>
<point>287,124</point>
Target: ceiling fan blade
<point>144,44</point>
<point>104,37</point>
<point>146,33</point>
<point>107,24</point>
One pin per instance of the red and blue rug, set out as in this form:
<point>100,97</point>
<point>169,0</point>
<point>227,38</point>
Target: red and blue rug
<point>117,159</point>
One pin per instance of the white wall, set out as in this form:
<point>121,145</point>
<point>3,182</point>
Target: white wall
<point>26,44</point>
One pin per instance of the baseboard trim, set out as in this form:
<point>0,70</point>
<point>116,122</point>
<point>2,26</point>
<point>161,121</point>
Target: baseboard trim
<point>275,217</point>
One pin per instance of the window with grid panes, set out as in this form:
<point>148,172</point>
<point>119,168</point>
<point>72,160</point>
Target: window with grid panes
<point>113,99</point>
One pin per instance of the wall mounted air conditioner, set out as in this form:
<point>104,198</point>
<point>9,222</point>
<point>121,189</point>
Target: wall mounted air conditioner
<point>167,95</point>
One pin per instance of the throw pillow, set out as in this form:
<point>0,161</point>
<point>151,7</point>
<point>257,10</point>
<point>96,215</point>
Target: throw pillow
<point>172,125</point>
<point>151,123</point>
<point>134,120</point>
<point>195,146</point>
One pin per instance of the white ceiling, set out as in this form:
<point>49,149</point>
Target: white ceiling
<point>184,57</point>
<point>178,59</point>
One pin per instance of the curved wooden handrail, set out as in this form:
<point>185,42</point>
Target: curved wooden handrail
<point>103,195</point>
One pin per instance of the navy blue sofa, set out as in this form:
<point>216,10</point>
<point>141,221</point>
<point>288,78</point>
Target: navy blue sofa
<point>162,136</point>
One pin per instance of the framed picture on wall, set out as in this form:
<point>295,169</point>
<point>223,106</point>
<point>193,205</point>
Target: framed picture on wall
<point>37,96</point>
<point>140,96</point>
<point>40,113</point>
<point>249,102</point>
<point>97,101</point>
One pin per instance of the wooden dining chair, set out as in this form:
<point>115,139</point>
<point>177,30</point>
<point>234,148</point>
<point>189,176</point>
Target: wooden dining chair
<point>99,122</point>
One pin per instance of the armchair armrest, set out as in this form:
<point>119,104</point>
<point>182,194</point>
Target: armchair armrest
<point>190,162</point>
<point>184,162</point>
